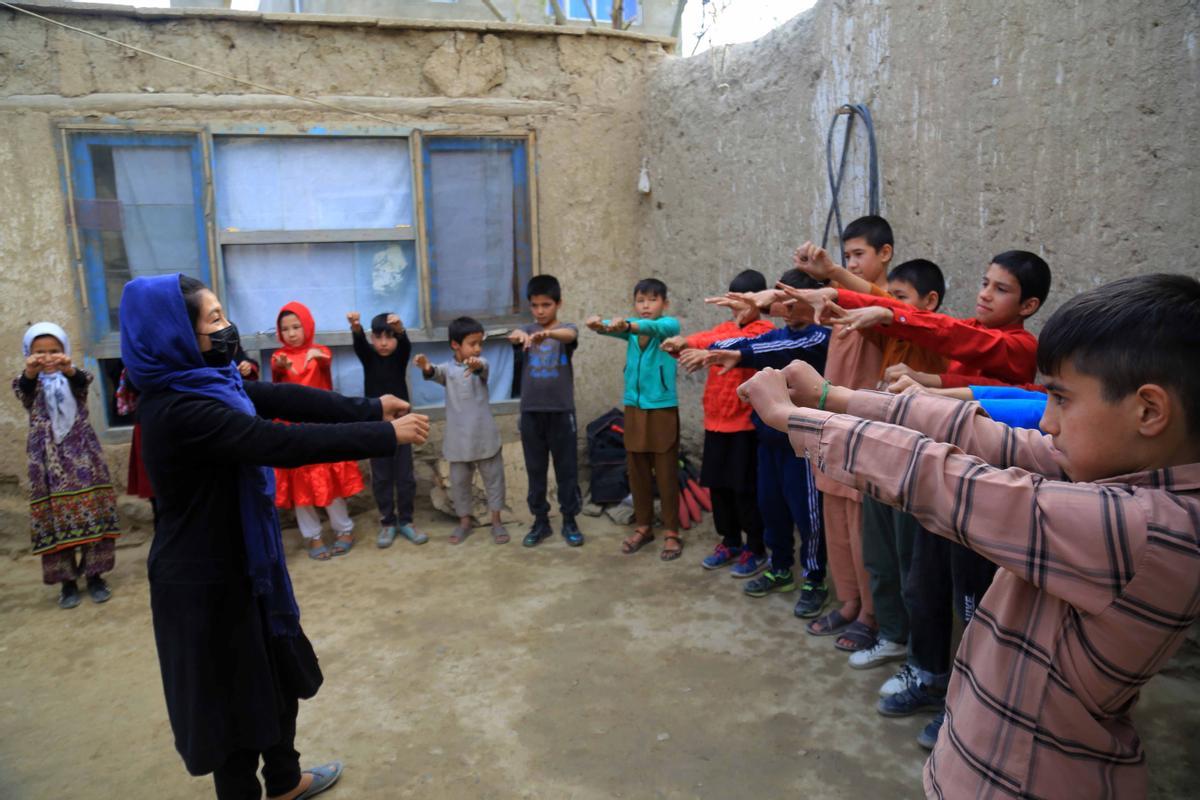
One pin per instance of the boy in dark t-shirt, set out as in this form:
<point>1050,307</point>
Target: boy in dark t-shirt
<point>548,410</point>
<point>385,365</point>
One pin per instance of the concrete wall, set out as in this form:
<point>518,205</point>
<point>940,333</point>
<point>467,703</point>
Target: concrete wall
<point>581,92</point>
<point>1063,128</point>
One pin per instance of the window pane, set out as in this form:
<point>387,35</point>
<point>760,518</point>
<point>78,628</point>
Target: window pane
<point>478,219</point>
<point>499,355</point>
<point>142,217</point>
<point>331,279</point>
<point>309,183</point>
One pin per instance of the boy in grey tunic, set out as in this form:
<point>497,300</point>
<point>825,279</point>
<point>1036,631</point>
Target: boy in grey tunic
<point>472,441</point>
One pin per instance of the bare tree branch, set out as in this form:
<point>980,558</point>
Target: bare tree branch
<point>559,17</point>
<point>495,10</point>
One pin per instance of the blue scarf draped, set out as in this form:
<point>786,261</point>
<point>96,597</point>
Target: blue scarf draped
<point>158,346</point>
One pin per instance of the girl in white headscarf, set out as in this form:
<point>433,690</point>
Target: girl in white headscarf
<point>72,503</point>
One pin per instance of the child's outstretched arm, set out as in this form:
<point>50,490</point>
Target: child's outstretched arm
<point>1021,520</point>
<point>429,372</point>
<point>661,328</point>
<point>617,326</point>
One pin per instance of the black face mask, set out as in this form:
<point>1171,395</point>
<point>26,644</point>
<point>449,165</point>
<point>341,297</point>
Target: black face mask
<point>225,344</point>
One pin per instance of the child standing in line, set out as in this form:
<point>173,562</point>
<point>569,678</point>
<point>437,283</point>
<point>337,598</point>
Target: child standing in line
<point>385,371</point>
<point>787,495</point>
<point>547,424</point>
<point>1093,525</point>
<point>651,415</point>
<point>307,488</point>
<point>729,465</point>
<point>472,441</point>
<point>72,503</point>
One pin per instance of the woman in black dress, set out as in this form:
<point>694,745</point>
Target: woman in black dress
<point>234,659</point>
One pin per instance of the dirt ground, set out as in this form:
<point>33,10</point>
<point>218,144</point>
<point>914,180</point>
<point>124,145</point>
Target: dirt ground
<point>494,672</point>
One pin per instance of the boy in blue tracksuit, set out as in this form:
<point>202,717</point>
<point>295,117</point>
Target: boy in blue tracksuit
<point>787,496</point>
<point>651,414</point>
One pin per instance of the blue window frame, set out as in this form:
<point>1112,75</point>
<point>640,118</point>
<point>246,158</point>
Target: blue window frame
<point>477,224</point>
<point>601,9</point>
<point>139,210</point>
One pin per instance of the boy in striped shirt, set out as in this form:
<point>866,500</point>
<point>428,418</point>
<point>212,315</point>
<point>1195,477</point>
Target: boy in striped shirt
<point>1093,523</point>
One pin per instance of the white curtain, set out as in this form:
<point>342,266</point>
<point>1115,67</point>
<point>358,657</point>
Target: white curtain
<point>154,188</point>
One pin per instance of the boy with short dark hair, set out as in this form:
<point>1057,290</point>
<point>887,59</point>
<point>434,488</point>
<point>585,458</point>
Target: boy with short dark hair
<point>728,468</point>
<point>1093,523</point>
<point>547,424</point>
<point>651,415</point>
<point>385,371</point>
<point>787,495</point>
<point>472,441</point>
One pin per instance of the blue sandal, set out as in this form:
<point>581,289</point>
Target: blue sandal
<point>324,776</point>
<point>344,544</point>
<point>318,553</point>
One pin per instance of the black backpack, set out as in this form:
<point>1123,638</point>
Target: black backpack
<point>606,456</point>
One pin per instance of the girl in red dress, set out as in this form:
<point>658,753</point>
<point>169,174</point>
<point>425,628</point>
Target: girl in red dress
<point>300,360</point>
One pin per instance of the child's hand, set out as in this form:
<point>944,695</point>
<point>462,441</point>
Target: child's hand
<point>674,344</point>
<point>246,368</point>
<point>725,359</point>
<point>537,337</point>
<point>903,384</point>
<point>422,362</point>
<point>33,365</point>
<point>473,364</point>
<point>897,371</point>
<point>814,261</point>
<point>519,338</point>
<point>745,316</point>
<point>767,391</point>
<point>819,299</point>
<point>281,362</point>
<point>595,323</point>
<point>355,320</point>
<point>411,429</point>
<point>315,354</point>
<point>393,407</point>
<point>856,319</point>
<point>393,322</point>
<point>693,359</point>
<point>804,383</point>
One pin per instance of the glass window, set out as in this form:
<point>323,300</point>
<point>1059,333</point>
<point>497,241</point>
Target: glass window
<point>330,278</point>
<point>312,183</point>
<point>477,217</point>
<point>601,9</point>
<point>138,211</point>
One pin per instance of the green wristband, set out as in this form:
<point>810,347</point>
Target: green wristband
<point>824,395</point>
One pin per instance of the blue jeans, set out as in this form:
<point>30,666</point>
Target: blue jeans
<point>788,499</point>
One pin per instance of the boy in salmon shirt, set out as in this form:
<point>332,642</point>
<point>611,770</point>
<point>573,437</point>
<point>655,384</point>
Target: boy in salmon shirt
<point>730,443</point>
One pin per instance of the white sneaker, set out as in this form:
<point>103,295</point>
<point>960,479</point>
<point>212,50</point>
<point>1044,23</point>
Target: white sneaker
<point>906,677</point>
<point>883,652</point>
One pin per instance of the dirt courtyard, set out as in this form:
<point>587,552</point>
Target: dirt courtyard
<point>480,671</point>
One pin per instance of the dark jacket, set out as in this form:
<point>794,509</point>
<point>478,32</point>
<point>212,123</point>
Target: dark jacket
<point>226,681</point>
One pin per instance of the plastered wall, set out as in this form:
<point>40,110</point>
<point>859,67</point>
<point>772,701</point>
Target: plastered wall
<point>1063,128</point>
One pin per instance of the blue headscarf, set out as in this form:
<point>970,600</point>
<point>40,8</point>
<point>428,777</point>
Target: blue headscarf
<point>158,346</point>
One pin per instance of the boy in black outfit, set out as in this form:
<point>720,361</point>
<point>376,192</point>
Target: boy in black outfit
<point>385,366</point>
<point>548,410</point>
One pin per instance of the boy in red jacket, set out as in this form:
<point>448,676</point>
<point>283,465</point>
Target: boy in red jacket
<point>730,442</point>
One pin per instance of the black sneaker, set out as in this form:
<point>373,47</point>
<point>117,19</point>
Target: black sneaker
<point>928,736</point>
<point>540,531</point>
<point>812,599</point>
<point>98,589</point>
<point>571,532</point>
<point>771,581</point>
<point>69,596</point>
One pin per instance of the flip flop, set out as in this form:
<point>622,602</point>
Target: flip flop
<point>860,636</point>
<point>324,776</point>
<point>343,545</point>
<point>828,625</point>
<point>459,535</point>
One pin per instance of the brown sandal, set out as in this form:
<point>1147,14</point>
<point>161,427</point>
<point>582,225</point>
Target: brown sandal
<point>639,539</point>
<point>671,553</point>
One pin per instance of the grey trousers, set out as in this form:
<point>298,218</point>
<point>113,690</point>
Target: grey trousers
<point>461,475</point>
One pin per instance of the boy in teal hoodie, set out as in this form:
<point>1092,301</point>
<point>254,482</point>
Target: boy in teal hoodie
<point>651,415</point>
